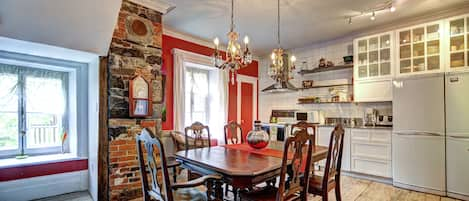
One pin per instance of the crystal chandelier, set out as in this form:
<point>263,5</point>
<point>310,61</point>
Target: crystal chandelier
<point>235,57</point>
<point>278,71</point>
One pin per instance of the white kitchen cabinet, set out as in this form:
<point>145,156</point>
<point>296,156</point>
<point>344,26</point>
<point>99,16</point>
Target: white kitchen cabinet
<point>420,49</point>
<point>374,57</point>
<point>372,91</point>
<point>323,138</point>
<point>457,29</point>
<point>371,152</point>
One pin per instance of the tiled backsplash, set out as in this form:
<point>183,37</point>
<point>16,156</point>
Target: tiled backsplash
<point>333,51</point>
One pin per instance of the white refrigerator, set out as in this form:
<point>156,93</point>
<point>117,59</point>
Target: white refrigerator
<point>418,139</point>
<point>457,135</point>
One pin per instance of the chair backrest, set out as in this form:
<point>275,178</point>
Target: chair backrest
<point>298,150</point>
<point>304,125</point>
<point>196,131</point>
<point>334,155</point>
<point>231,133</point>
<point>147,158</point>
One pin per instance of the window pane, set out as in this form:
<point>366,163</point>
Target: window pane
<point>45,106</point>
<point>8,112</point>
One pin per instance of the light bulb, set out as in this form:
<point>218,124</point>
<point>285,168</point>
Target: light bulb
<point>272,56</point>
<point>293,58</point>
<point>246,39</point>
<point>392,9</point>
<point>373,16</point>
<point>216,41</point>
<point>233,49</point>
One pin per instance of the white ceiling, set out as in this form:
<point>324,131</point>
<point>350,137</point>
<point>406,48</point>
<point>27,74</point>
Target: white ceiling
<point>303,22</point>
<point>85,25</point>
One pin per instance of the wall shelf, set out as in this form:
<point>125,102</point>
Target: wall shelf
<point>339,102</point>
<point>326,86</point>
<point>325,69</point>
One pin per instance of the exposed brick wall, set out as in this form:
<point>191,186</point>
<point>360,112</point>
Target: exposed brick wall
<point>135,49</point>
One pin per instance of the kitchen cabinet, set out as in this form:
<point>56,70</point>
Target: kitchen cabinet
<point>458,32</point>
<point>373,56</point>
<point>420,49</point>
<point>372,90</point>
<point>323,138</point>
<point>371,152</point>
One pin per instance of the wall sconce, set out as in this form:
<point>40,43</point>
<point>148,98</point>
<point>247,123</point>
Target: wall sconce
<point>140,98</point>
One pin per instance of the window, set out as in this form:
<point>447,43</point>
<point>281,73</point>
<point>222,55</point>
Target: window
<point>33,105</point>
<point>196,96</point>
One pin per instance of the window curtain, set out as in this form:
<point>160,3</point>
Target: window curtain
<point>218,87</point>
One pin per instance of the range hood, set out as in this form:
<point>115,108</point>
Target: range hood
<point>279,87</point>
<point>282,85</point>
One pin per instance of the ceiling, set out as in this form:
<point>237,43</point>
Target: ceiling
<point>303,22</point>
<point>85,25</point>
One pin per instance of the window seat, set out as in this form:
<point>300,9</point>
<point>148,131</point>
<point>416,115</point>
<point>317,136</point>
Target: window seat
<point>34,166</point>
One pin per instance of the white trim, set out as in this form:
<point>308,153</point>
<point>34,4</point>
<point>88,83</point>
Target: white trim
<point>458,196</point>
<point>253,81</point>
<point>421,189</point>
<point>44,186</point>
<point>161,6</point>
<point>193,58</point>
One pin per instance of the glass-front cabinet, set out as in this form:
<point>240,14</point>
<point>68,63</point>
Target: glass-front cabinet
<point>420,49</point>
<point>373,56</point>
<point>458,31</point>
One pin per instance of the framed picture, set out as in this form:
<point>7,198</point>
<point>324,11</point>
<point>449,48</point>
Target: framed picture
<point>140,97</point>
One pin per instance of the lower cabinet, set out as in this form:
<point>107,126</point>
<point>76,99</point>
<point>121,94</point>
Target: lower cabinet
<point>371,152</point>
<point>323,138</point>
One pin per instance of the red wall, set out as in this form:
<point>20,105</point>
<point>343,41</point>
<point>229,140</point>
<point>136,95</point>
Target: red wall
<point>170,43</point>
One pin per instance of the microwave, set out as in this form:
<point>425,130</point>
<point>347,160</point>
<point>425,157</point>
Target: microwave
<point>316,117</point>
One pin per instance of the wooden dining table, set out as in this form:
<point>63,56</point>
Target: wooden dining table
<point>240,165</point>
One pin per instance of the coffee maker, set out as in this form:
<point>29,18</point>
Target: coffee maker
<point>371,116</point>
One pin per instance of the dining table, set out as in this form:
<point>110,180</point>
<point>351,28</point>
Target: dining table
<point>240,165</point>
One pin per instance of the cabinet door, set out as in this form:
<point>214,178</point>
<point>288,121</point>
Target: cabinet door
<point>361,71</point>
<point>372,91</point>
<point>458,31</point>
<point>346,157</point>
<point>419,49</point>
<point>373,56</point>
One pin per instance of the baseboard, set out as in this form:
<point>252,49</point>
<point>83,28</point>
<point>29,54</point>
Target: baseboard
<point>44,186</point>
<point>416,188</point>
<point>379,179</point>
<point>458,196</point>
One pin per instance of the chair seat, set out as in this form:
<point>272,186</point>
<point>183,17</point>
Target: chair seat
<point>315,184</point>
<point>190,194</point>
<point>264,194</point>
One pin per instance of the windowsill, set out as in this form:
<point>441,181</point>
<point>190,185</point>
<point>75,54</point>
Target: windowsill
<point>38,160</point>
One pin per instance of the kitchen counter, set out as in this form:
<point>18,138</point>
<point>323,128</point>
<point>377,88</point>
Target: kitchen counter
<point>360,127</point>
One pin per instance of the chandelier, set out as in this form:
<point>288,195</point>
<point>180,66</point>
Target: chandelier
<point>235,57</point>
<point>278,71</point>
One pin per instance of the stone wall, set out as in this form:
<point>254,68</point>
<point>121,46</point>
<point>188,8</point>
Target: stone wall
<point>135,49</point>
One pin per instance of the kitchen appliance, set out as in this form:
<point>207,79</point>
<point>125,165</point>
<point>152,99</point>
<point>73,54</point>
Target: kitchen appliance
<point>313,116</point>
<point>384,120</point>
<point>418,139</point>
<point>371,116</point>
<point>457,135</point>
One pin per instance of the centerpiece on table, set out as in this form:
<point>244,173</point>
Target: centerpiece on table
<point>258,138</point>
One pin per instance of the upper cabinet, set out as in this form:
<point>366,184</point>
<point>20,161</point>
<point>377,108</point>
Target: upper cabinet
<point>420,49</point>
<point>373,57</point>
<point>458,31</point>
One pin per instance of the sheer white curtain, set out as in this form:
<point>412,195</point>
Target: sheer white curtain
<point>217,107</point>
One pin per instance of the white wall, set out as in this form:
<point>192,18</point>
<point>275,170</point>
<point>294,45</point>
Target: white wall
<point>331,50</point>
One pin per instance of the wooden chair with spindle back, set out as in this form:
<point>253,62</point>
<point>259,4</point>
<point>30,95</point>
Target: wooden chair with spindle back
<point>195,133</point>
<point>304,125</point>
<point>231,133</point>
<point>294,156</point>
<point>321,185</point>
<point>154,160</point>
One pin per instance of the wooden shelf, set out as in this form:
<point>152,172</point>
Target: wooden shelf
<point>325,69</point>
<point>327,102</point>
<point>326,86</point>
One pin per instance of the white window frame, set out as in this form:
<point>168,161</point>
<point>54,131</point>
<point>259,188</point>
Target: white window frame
<point>77,97</point>
<point>192,69</point>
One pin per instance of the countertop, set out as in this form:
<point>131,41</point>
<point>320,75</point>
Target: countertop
<point>332,125</point>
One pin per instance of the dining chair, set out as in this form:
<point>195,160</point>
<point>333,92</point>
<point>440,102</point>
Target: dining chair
<point>321,185</point>
<point>151,158</point>
<point>194,136</point>
<point>231,133</point>
<point>304,125</point>
<point>299,160</point>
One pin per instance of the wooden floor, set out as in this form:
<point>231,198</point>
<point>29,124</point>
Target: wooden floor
<point>352,190</point>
